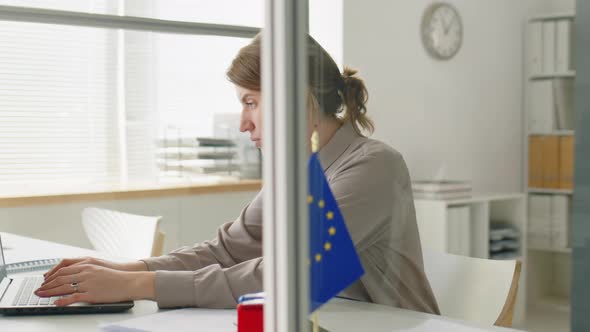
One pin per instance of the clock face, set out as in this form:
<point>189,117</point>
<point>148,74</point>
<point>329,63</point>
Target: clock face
<point>442,31</point>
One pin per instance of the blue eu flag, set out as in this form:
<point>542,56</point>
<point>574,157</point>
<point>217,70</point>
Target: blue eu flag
<point>333,260</point>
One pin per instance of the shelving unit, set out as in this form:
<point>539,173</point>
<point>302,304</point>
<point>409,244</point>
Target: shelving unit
<point>549,268</point>
<point>548,287</point>
<point>567,74</point>
<point>557,250</point>
<point>559,303</point>
<point>553,132</point>
<point>550,191</point>
<point>545,318</point>
<point>485,208</point>
<point>555,16</point>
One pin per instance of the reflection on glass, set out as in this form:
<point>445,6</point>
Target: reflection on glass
<point>231,12</point>
<point>479,123</point>
<point>85,6</point>
<point>371,183</point>
<point>87,106</point>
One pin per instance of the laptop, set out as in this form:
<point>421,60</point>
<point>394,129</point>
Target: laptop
<point>17,297</point>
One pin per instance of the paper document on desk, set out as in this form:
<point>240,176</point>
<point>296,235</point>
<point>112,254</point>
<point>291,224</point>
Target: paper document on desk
<point>192,319</point>
<point>442,325</point>
<point>358,321</point>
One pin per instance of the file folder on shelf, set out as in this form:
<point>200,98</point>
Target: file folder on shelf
<point>566,160</point>
<point>551,162</point>
<point>542,107</point>
<point>535,48</point>
<point>535,161</point>
<point>563,93</point>
<point>564,43</point>
<point>548,47</point>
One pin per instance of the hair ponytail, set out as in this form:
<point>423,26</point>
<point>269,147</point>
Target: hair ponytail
<point>340,95</point>
<point>355,96</point>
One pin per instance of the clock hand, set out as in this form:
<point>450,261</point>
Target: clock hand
<point>447,25</point>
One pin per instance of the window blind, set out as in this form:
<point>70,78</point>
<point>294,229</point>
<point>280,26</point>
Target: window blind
<point>75,100</point>
<point>57,104</point>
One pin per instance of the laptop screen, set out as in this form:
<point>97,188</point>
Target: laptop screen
<point>2,265</point>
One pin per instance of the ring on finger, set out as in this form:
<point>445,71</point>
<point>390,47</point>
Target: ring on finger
<point>75,286</point>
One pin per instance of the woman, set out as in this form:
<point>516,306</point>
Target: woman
<point>370,182</point>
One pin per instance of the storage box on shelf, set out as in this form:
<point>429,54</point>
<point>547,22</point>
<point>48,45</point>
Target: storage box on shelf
<point>189,157</point>
<point>505,241</point>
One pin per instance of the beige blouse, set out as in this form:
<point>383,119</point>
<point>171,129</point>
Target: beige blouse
<point>371,183</point>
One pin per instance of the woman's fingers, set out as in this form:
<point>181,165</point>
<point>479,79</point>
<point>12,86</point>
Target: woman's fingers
<point>97,284</point>
<point>55,283</point>
<point>63,280</point>
<point>76,297</point>
<point>63,263</point>
<point>59,265</point>
<point>59,290</point>
<point>68,270</point>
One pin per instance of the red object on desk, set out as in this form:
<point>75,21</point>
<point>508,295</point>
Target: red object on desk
<point>250,316</point>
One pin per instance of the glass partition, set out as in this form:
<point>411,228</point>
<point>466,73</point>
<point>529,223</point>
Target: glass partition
<point>230,12</point>
<point>393,135</point>
<point>88,109</point>
<point>482,121</point>
<point>580,233</point>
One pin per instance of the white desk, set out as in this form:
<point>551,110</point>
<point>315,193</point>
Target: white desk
<point>338,315</point>
<point>19,248</point>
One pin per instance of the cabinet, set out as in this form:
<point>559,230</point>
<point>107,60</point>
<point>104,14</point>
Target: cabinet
<point>485,210</point>
<point>549,141</point>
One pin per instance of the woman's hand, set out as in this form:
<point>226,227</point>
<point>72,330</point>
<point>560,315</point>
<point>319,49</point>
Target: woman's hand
<point>131,266</point>
<point>97,284</point>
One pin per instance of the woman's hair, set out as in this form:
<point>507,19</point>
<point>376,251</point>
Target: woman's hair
<point>339,95</point>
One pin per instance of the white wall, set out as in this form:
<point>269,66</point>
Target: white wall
<point>187,219</point>
<point>325,25</point>
<point>457,119</point>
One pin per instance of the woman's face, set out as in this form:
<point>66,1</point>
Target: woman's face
<point>251,119</point>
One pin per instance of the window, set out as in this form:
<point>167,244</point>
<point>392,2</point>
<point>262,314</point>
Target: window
<point>85,107</point>
<point>57,105</point>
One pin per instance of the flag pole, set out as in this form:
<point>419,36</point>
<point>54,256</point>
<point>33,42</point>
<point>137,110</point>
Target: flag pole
<point>316,325</point>
<point>315,142</point>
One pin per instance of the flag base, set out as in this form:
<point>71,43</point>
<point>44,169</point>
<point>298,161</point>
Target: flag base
<point>320,329</point>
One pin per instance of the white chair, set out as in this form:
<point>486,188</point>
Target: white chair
<point>121,234</point>
<point>473,289</point>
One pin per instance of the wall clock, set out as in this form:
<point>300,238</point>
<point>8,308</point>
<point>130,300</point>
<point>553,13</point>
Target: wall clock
<point>442,30</point>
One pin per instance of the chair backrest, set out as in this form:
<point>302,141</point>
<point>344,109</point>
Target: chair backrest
<point>473,289</point>
<point>122,234</point>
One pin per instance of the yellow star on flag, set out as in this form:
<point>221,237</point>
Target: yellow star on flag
<point>332,231</point>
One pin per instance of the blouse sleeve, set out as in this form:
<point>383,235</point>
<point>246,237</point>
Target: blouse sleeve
<point>214,273</point>
<point>210,287</point>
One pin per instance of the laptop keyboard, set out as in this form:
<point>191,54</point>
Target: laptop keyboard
<point>27,297</point>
